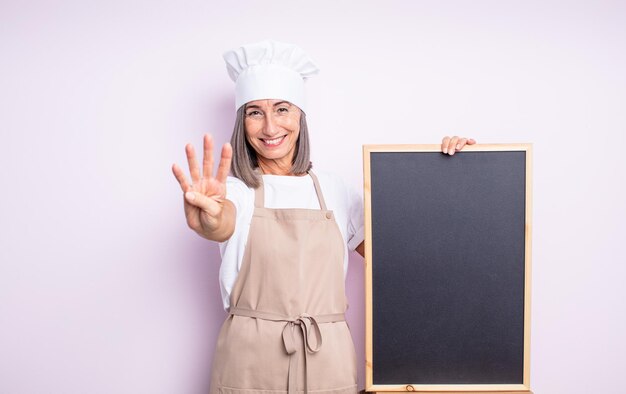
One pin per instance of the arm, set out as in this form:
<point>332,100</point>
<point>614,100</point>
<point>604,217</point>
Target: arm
<point>207,210</point>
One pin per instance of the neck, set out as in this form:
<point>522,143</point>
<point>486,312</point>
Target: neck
<point>274,167</point>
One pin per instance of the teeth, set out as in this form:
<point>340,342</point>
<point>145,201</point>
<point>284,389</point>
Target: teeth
<point>275,141</point>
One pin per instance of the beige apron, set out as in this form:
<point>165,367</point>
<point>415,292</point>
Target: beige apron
<point>286,331</point>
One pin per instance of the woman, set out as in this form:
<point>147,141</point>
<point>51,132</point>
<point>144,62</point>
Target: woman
<point>284,251</point>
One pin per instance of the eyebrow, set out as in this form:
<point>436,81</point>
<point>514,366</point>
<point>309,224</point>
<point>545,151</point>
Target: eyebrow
<point>275,104</point>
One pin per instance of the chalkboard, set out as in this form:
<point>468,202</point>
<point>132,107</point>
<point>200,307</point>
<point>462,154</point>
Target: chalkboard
<point>448,268</point>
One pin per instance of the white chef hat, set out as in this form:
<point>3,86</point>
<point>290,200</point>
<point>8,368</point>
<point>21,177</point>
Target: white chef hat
<point>269,70</point>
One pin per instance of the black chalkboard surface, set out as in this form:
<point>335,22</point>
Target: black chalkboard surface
<point>448,268</point>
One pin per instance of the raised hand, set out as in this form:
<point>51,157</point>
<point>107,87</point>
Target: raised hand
<point>450,145</point>
<point>206,209</point>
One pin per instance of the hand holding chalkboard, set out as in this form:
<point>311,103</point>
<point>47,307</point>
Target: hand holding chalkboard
<point>450,145</point>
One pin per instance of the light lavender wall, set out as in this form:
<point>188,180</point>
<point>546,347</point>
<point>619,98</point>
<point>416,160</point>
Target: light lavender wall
<point>103,288</point>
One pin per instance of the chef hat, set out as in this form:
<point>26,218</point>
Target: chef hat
<point>269,70</point>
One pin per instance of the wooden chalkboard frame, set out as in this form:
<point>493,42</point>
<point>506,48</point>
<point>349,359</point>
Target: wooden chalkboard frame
<point>442,388</point>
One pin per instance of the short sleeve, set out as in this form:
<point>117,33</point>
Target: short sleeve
<point>239,194</point>
<point>356,227</point>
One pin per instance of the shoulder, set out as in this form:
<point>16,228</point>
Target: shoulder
<point>344,194</point>
<point>335,189</point>
<point>238,192</point>
<point>330,180</point>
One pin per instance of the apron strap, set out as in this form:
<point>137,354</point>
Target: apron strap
<point>259,194</point>
<point>318,190</point>
<point>306,323</point>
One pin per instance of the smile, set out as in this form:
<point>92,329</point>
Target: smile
<point>273,142</point>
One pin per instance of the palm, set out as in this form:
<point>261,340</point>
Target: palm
<point>212,189</point>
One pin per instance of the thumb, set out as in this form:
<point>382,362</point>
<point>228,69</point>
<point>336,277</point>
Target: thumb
<point>203,202</point>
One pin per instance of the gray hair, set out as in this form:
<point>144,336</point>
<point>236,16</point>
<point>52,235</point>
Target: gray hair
<point>245,161</point>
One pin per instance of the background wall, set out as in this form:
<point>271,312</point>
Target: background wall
<point>103,288</point>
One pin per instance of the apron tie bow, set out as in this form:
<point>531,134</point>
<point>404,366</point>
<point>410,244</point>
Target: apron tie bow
<point>306,323</point>
<point>309,326</point>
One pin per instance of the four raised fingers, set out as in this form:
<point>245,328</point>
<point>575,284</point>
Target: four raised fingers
<point>207,164</point>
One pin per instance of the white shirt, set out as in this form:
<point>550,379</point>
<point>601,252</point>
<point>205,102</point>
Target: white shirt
<point>288,192</point>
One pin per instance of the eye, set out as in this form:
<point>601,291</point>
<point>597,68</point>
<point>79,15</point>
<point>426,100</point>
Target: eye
<point>253,113</point>
<point>283,109</point>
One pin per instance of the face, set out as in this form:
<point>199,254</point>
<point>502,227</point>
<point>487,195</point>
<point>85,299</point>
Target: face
<point>272,128</point>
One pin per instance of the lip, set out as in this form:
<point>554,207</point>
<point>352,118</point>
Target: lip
<point>271,146</point>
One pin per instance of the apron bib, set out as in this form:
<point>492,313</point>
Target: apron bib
<point>286,331</point>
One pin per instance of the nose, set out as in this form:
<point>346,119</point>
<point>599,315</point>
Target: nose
<point>270,128</point>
